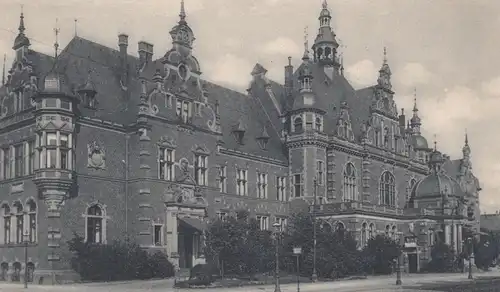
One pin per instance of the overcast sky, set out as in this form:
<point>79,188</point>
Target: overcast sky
<point>447,49</point>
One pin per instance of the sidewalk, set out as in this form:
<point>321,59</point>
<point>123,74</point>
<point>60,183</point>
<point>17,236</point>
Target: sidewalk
<point>376,283</point>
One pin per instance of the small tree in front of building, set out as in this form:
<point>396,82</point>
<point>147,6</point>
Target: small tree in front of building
<point>381,251</point>
<point>443,259</point>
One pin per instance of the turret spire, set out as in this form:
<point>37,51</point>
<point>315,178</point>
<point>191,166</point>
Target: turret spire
<point>21,39</point>
<point>325,45</point>
<point>466,149</point>
<point>415,120</point>
<point>3,71</point>
<point>56,32</point>
<point>22,28</point>
<point>384,79</point>
<point>385,55</point>
<point>306,44</point>
<point>182,15</point>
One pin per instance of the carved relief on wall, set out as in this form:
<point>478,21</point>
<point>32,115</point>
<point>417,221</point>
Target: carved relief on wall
<point>184,195</point>
<point>167,141</point>
<point>184,175</point>
<point>96,156</point>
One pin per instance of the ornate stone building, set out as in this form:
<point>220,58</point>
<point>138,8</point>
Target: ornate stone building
<point>107,144</point>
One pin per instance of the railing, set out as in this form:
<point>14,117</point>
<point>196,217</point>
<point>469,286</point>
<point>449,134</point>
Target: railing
<point>360,206</point>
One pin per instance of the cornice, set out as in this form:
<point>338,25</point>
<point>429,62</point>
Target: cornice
<point>254,157</point>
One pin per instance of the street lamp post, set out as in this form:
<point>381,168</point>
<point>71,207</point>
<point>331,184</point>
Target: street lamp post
<point>277,288</point>
<point>26,241</point>
<point>314,275</point>
<point>400,260</point>
<point>471,257</point>
<point>297,251</point>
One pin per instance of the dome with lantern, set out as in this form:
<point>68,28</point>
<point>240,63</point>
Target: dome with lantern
<point>437,183</point>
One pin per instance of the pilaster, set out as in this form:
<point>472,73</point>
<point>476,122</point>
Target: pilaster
<point>145,209</point>
<point>331,173</point>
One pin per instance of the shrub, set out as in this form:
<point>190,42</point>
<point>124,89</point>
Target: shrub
<point>381,252</point>
<point>117,261</point>
<point>443,259</point>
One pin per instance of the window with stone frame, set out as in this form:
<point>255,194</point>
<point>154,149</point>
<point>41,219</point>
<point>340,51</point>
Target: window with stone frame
<point>6,162</point>
<point>31,157</point>
<point>263,222</point>
<point>16,274</point>
<point>298,124</point>
<point>387,189</point>
<point>4,270</point>
<point>54,143</point>
<point>18,160</point>
<point>166,163</point>
<point>371,231</point>
<point>320,172</point>
<point>241,182</point>
<point>281,222</point>
<point>261,185</point>
<point>364,234</point>
<point>32,221</point>
<point>222,216</point>
<point>158,234</point>
<point>297,185</point>
<point>183,110</point>
<point>350,188</point>
<point>281,188</point>
<point>19,217</point>
<point>95,225</point>
<point>6,218</point>
<point>200,169</point>
<point>411,185</point>
<point>222,178</point>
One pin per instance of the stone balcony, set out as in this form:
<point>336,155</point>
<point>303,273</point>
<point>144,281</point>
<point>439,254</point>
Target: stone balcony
<point>54,178</point>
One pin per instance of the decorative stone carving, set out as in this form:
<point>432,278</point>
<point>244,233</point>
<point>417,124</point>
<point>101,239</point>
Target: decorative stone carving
<point>185,175</point>
<point>184,195</point>
<point>167,141</point>
<point>96,156</point>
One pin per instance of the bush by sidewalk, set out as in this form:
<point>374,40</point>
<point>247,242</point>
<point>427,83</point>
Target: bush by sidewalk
<point>117,261</point>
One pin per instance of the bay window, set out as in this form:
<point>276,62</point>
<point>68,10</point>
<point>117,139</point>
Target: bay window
<point>55,150</point>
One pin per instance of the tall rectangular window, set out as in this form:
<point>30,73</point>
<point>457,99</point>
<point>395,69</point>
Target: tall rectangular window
<point>19,160</point>
<point>261,185</point>
<point>51,150</point>
<point>222,216</point>
<point>241,182</point>
<point>157,235</point>
<point>31,157</point>
<point>200,169</point>
<point>64,151</point>
<point>263,222</point>
<point>281,188</point>
<point>281,221</point>
<point>166,163</point>
<point>320,172</point>
<point>297,185</point>
<point>6,163</point>
<point>222,178</point>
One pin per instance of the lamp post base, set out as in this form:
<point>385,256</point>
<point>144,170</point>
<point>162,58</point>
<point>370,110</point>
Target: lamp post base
<point>314,277</point>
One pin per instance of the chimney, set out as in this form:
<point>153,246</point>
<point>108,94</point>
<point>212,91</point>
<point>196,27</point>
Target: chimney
<point>402,119</point>
<point>123,44</point>
<point>145,52</point>
<point>289,77</point>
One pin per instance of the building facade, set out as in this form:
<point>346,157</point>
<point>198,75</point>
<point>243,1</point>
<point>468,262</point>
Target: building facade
<point>107,144</point>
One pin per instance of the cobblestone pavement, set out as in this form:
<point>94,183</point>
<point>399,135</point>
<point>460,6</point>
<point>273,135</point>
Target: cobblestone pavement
<point>411,283</point>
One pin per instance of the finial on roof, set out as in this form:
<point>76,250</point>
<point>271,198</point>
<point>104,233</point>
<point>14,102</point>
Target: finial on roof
<point>3,72</point>
<point>76,27</point>
<point>325,4</point>
<point>56,44</point>
<point>289,61</point>
<point>435,142</point>
<point>306,44</point>
<point>415,108</point>
<point>182,15</point>
<point>21,21</point>
<point>385,55</point>
<point>466,138</point>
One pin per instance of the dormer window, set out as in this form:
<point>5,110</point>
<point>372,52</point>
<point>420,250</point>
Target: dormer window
<point>297,124</point>
<point>263,142</point>
<point>52,84</point>
<point>306,83</point>
<point>239,135</point>
<point>183,110</point>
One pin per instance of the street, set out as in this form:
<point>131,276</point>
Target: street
<point>411,283</point>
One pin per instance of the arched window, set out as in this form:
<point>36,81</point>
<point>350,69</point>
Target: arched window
<point>371,231</point>
<point>327,227</point>
<point>387,189</point>
<point>431,237</point>
<point>297,124</point>
<point>30,268</point>
<point>319,124</point>
<point>31,208</point>
<point>387,230</point>
<point>340,229</point>
<point>4,269</point>
<point>411,185</point>
<point>364,234</point>
<point>18,209</point>
<point>350,187</point>
<point>393,233</point>
<point>6,218</point>
<point>16,275</point>
<point>95,224</point>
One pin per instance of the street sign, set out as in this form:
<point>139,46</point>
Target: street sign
<point>297,250</point>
